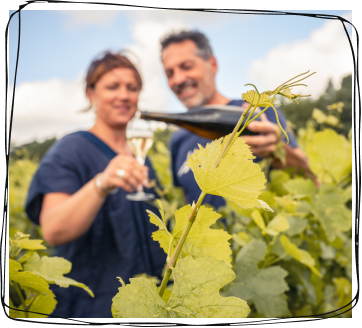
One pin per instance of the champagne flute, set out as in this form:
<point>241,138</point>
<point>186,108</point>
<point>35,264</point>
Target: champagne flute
<point>140,140</point>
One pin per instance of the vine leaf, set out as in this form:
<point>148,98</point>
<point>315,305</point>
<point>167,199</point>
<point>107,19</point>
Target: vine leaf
<point>139,299</point>
<point>42,304</point>
<point>201,240</point>
<point>329,156</point>
<point>237,178</point>
<point>344,258</point>
<point>299,254</point>
<point>263,287</point>
<point>278,224</point>
<point>52,269</point>
<point>300,186</point>
<point>253,98</point>
<point>27,279</point>
<point>330,211</point>
<point>33,244</point>
<point>195,294</point>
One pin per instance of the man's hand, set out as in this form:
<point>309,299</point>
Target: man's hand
<point>264,144</point>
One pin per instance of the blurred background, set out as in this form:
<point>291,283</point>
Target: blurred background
<point>56,48</point>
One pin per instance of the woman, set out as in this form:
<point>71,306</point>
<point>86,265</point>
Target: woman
<point>78,196</point>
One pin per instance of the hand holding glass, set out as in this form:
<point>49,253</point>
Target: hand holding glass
<point>140,142</point>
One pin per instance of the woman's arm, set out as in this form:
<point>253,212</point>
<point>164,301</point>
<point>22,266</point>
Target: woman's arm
<point>66,217</point>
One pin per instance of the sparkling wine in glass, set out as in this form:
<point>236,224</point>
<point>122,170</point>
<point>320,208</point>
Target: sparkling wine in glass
<point>140,142</point>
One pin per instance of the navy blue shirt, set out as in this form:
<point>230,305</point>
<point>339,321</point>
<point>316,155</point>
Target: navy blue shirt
<point>119,241</point>
<point>183,143</point>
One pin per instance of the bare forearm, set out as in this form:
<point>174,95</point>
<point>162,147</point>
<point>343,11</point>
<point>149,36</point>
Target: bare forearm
<point>294,158</point>
<point>72,216</point>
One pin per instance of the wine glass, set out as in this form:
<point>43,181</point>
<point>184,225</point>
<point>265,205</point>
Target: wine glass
<point>140,139</point>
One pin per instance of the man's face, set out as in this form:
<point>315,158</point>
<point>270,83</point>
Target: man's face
<point>189,76</point>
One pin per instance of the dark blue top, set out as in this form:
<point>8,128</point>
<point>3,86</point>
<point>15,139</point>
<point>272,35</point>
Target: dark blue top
<point>119,241</point>
<point>184,142</point>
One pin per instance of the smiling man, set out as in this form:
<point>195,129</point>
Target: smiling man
<point>191,67</point>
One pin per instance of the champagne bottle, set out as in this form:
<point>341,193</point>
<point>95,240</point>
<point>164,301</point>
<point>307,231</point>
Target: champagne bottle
<point>212,121</point>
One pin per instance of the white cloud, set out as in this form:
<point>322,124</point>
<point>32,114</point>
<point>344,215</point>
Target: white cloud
<point>46,109</point>
<point>79,18</point>
<point>51,108</point>
<point>326,52</point>
<point>148,28</point>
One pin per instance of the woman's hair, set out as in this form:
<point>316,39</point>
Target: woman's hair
<point>104,64</point>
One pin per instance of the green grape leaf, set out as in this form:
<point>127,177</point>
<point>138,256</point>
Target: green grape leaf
<point>52,269</point>
<point>253,98</point>
<point>241,238</point>
<point>348,193</point>
<point>239,148</point>
<point>201,240</point>
<point>343,291</point>
<point>300,275</point>
<point>344,258</point>
<point>327,251</point>
<point>195,294</point>
<point>299,254</point>
<point>156,220</point>
<point>300,186</point>
<point>33,244</point>
<point>329,156</point>
<point>196,288</point>
<point>287,203</point>
<point>330,211</point>
<point>27,279</point>
<point>297,225</point>
<point>277,179</point>
<point>319,116</point>
<point>44,304</point>
<point>259,221</point>
<point>237,178</point>
<point>265,288</point>
<point>139,299</point>
<point>278,224</point>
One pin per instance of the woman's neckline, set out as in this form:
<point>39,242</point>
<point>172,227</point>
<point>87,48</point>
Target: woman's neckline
<point>125,150</point>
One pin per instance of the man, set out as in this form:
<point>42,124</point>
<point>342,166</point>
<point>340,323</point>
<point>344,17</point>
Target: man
<point>190,68</point>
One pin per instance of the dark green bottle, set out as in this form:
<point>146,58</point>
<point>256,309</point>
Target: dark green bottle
<point>212,122</point>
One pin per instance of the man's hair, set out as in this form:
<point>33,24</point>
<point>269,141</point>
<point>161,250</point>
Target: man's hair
<point>201,41</point>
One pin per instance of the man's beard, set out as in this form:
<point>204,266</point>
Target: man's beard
<point>198,100</point>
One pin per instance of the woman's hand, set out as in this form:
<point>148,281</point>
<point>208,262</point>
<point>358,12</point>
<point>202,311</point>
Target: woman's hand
<point>134,174</point>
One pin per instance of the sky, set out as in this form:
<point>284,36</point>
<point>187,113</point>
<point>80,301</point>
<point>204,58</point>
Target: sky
<point>56,47</point>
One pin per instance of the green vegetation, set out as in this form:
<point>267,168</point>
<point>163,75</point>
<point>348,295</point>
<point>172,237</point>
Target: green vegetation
<point>300,114</point>
<point>294,261</point>
<point>30,275</point>
<point>33,150</point>
<point>286,251</point>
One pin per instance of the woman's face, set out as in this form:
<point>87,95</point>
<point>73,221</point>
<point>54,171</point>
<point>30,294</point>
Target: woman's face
<point>115,97</point>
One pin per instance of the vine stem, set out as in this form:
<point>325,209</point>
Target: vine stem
<point>229,143</point>
<point>18,291</point>
<point>192,217</point>
<point>275,260</point>
<point>177,252</point>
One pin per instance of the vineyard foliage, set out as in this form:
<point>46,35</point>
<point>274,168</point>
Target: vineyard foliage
<point>292,257</point>
<point>30,275</point>
<point>296,260</point>
<point>31,270</point>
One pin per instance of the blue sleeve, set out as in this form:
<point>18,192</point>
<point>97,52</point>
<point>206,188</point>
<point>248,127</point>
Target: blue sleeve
<point>57,173</point>
<point>272,118</point>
